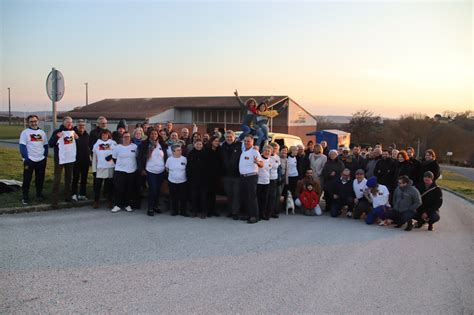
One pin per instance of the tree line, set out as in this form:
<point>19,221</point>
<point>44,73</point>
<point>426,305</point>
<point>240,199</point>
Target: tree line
<point>446,132</point>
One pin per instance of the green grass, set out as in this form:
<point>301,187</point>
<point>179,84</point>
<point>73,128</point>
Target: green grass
<point>12,168</point>
<point>10,131</point>
<point>458,183</point>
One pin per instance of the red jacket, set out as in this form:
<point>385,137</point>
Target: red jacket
<point>309,199</point>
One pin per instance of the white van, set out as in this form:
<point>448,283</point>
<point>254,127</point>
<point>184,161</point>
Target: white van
<point>281,138</point>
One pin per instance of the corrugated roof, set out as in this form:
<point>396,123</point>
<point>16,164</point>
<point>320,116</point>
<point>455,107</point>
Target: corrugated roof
<point>140,108</point>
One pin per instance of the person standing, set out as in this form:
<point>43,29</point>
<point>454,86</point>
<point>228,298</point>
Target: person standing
<point>34,151</point>
<point>404,166</point>
<point>358,161</point>
<point>121,128</point>
<point>283,186</point>
<point>275,177</point>
<point>374,158</point>
<point>385,171</point>
<point>263,184</point>
<point>302,161</point>
<point>416,165</point>
<point>293,174</point>
<point>197,175</point>
<point>83,160</point>
<point>324,145</point>
<point>151,165</point>
<point>230,154</point>
<point>214,173</point>
<point>249,163</point>
<point>430,164</point>
<point>63,140</point>
<point>95,133</point>
<point>176,167</point>
<point>125,157</point>
<point>103,167</point>
<point>431,202</point>
<point>317,160</point>
<point>331,172</point>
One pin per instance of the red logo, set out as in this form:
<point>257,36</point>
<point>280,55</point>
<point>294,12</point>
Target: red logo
<point>104,146</point>
<point>68,140</point>
<point>35,137</point>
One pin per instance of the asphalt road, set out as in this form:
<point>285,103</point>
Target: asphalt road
<point>93,261</point>
<point>466,171</point>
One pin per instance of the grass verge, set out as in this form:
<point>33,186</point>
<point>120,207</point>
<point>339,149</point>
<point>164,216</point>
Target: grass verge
<point>10,131</point>
<point>12,168</point>
<point>457,183</point>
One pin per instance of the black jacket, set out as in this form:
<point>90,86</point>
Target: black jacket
<point>343,191</point>
<point>94,136</point>
<point>142,155</point>
<point>416,171</point>
<point>358,162</point>
<point>54,140</point>
<point>405,168</point>
<point>214,163</point>
<point>230,157</point>
<point>330,166</point>
<point>430,201</point>
<point>385,171</point>
<point>83,154</point>
<point>431,166</point>
<point>302,164</point>
<point>197,169</point>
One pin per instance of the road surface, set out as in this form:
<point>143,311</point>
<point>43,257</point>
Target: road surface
<point>466,171</point>
<point>93,261</point>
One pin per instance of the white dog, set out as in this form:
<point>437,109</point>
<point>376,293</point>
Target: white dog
<point>290,204</point>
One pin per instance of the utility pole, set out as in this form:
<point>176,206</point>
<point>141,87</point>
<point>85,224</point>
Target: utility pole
<point>9,108</point>
<point>87,93</point>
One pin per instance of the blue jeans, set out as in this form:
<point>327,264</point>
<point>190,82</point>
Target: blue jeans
<point>247,130</point>
<point>378,212</point>
<point>154,187</point>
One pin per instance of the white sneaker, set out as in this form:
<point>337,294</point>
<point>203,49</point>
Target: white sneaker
<point>81,197</point>
<point>382,223</point>
<point>349,214</point>
<point>128,208</point>
<point>115,209</point>
<point>74,197</point>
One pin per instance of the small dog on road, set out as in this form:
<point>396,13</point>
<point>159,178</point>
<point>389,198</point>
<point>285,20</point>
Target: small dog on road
<point>290,204</point>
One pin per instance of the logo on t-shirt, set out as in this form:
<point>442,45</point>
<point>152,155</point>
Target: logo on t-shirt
<point>246,158</point>
<point>133,151</point>
<point>182,163</point>
<point>68,140</point>
<point>104,146</point>
<point>36,137</point>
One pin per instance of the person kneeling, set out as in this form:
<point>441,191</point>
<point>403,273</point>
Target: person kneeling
<point>378,196</point>
<point>406,199</point>
<point>344,195</point>
<point>310,201</point>
<point>431,201</point>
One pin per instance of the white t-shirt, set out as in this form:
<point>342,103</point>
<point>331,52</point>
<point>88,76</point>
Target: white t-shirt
<point>34,140</point>
<point>156,162</point>
<point>264,172</point>
<point>359,188</point>
<point>246,162</point>
<point>177,169</point>
<point>292,169</point>
<point>103,149</point>
<point>67,147</point>
<point>381,199</point>
<point>275,164</point>
<point>126,158</point>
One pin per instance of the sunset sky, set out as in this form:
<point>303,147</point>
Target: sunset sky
<point>332,58</point>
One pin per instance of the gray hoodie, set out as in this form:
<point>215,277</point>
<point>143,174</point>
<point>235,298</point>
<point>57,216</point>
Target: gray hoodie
<point>407,198</point>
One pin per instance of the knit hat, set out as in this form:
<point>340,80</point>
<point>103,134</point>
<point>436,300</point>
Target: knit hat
<point>372,182</point>
<point>122,124</point>
<point>428,174</point>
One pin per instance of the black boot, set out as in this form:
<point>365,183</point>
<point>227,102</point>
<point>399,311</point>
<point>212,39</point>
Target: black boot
<point>430,227</point>
<point>150,212</point>
<point>409,226</point>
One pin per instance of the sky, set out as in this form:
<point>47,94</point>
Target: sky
<point>333,58</point>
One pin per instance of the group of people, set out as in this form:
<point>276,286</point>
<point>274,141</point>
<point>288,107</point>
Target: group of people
<point>378,185</point>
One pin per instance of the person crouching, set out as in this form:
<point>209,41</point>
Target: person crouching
<point>310,201</point>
